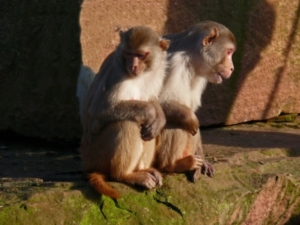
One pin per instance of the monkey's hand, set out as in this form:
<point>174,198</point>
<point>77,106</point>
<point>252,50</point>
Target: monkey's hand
<point>148,132</point>
<point>190,123</point>
<point>182,116</point>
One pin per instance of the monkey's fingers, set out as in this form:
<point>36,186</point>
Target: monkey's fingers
<point>207,169</point>
<point>210,171</point>
<point>150,132</point>
<point>151,181</point>
<point>191,124</point>
<point>199,162</point>
<point>147,133</point>
<point>155,175</point>
<point>158,177</point>
<point>193,175</point>
<point>192,128</point>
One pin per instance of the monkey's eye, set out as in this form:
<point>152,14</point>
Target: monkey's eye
<point>229,51</point>
<point>142,56</point>
<point>129,54</point>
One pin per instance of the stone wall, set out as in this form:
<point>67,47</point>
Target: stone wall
<point>43,43</point>
<point>40,57</point>
<point>266,78</point>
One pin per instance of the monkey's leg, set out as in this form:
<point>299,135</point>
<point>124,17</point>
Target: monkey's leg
<point>147,158</point>
<point>126,163</point>
<point>207,168</point>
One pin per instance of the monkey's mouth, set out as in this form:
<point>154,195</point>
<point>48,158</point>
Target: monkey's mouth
<point>134,73</point>
<point>219,78</point>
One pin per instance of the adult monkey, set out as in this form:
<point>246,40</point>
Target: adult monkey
<point>122,115</point>
<point>200,54</point>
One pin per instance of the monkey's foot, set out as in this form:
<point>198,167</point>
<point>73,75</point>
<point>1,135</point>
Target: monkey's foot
<point>156,176</point>
<point>207,169</point>
<point>148,178</point>
<point>193,175</point>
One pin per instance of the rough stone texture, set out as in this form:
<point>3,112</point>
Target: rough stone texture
<point>40,57</point>
<point>42,44</point>
<point>257,182</point>
<point>266,78</point>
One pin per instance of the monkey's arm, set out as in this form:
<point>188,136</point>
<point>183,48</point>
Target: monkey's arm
<point>139,111</point>
<point>145,114</point>
<point>181,116</point>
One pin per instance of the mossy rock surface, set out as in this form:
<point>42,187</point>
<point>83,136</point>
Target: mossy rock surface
<point>257,179</point>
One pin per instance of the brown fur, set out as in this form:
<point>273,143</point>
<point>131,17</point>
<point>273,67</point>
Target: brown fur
<point>200,54</point>
<point>122,115</point>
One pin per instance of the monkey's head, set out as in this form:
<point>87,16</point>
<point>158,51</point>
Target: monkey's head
<point>140,50</point>
<point>212,58</point>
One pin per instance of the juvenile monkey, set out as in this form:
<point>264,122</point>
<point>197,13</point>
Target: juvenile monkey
<point>122,115</point>
<point>200,54</point>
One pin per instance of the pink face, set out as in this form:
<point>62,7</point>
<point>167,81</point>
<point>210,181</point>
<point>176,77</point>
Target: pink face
<point>136,62</point>
<point>225,68</point>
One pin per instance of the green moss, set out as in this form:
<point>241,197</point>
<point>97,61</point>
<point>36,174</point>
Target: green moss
<point>106,212</point>
<point>226,198</point>
<point>18,214</point>
<point>277,125</point>
<point>274,152</point>
<point>284,118</point>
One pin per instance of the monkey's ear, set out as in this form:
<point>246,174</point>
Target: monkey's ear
<point>121,33</point>
<point>164,44</point>
<point>213,34</point>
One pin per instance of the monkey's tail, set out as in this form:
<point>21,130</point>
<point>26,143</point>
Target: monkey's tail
<point>97,181</point>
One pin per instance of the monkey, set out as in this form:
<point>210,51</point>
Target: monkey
<point>122,116</point>
<point>201,54</point>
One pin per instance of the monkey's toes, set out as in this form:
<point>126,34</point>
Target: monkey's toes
<point>158,177</point>
<point>193,175</point>
<point>207,169</point>
<point>150,181</point>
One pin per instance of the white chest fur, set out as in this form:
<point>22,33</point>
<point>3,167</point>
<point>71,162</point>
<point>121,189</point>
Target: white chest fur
<point>144,87</point>
<point>181,84</point>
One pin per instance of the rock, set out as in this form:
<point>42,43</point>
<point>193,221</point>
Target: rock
<point>238,194</point>
<point>40,60</point>
<point>256,182</point>
<point>265,81</point>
